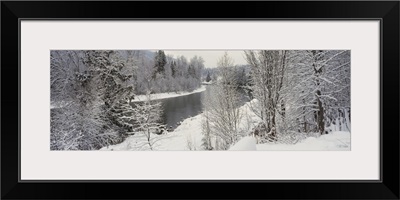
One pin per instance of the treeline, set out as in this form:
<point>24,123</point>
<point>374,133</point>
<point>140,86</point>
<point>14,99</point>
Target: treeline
<point>296,94</point>
<point>241,73</point>
<point>163,73</point>
<point>91,93</point>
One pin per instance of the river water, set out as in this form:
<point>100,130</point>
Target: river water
<point>176,109</point>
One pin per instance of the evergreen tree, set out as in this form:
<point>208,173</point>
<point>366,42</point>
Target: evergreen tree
<point>191,71</point>
<point>208,79</point>
<point>112,84</point>
<point>159,63</point>
<point>173,68</point>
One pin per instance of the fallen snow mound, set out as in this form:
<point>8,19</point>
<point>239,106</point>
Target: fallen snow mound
<point>245,144</point>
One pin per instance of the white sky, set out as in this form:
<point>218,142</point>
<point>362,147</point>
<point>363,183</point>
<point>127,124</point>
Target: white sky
<point>210,57</point>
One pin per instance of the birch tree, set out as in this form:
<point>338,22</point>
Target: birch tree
<point>221,102</point>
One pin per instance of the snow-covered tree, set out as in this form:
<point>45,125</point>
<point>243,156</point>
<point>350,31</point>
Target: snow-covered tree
<point>320,89</point>
<point>159,62</point>
<point>197,64</point>
<point>208,78</point>
<point>268,70</point>
<point>83,82</point>
<point>144,75</point>
<point>241,77</point>
<point>175,75</point>
<point>206,130</point>
<point>146,119</point>
<point>300,91</point>
<point>222,106</point>
<point>113,79</point>
<point>173,68</point>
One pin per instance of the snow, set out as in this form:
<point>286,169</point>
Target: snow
<point>249,119</point>
<point>207,83</point>
<point>245,144</point>
<point>336,141</point>
<point>185,137</point>
<point>166,95</point>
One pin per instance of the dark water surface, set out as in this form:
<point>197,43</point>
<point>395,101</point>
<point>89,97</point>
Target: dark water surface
<point>176,109</point>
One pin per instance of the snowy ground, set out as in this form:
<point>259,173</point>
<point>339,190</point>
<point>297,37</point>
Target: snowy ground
<point>166,95</point>
<point>335,141</point>
<point>188,136</point>
<point>245,144</point>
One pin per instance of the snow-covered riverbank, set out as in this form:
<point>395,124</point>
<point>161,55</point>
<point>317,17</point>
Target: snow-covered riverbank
<point>188,136</point>
<point>166,95</point>
<point>139,98</point>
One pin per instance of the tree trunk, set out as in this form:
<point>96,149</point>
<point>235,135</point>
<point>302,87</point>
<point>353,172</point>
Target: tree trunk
<point>273,127</point>
<point>320,114</point>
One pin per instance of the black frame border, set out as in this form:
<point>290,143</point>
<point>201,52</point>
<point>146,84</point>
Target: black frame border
<point>387,12</point>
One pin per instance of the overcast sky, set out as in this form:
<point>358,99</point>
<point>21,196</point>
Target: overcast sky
<point>210,57</point>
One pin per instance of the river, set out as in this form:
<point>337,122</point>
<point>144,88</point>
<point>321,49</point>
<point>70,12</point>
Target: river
<point>176,109</point>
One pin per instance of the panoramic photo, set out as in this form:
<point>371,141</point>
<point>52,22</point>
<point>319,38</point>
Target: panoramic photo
<point>200,100</point>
